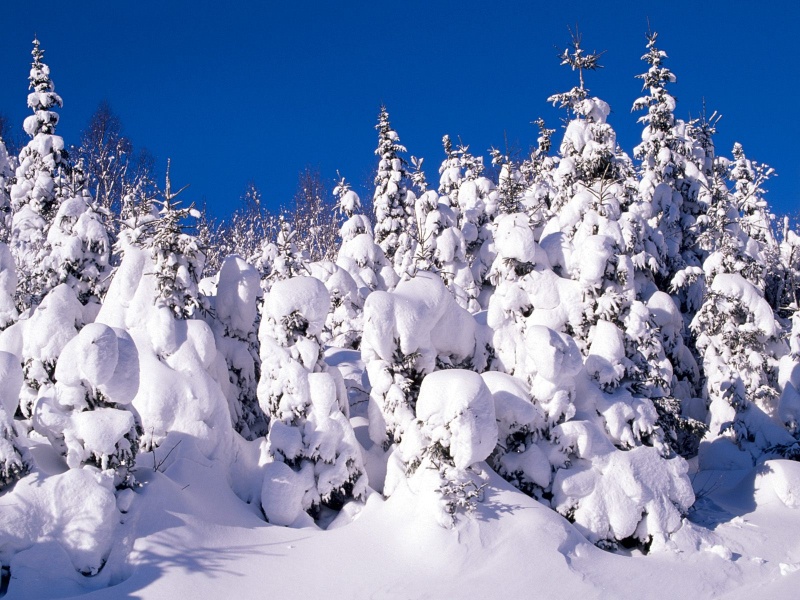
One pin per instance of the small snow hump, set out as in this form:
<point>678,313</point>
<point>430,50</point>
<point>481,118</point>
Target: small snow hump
<point>457,409</point>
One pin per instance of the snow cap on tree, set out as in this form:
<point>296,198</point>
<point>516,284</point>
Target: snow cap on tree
<point>42,97</point>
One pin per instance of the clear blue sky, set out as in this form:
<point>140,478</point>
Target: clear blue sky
<point>256,91</point>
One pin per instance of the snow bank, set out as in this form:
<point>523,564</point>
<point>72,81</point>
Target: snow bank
<point>75,509</point>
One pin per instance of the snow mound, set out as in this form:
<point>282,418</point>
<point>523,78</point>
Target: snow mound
<point>781,478</point>
<point>615,494</point>
<point>456,410</point>
<point>76,509</point>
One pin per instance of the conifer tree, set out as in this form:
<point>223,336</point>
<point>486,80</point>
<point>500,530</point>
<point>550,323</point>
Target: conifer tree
<point>755,221</point>
<point>671,182</point>
<point>359,255</point>
<point>286,259</point>
<point>6,178</point>
<point>737,333</point>
<point>80,246</point>
<point>36,191</point>
<point>13,462</point>
<point>310,439</point>
<point>393,201</point>
<point>473,199</point>
<point>177,256</point>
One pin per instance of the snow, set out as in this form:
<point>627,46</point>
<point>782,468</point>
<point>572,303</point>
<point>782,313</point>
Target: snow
<point>238,287</point>
<point>736,286</point>
<point>457,411</point>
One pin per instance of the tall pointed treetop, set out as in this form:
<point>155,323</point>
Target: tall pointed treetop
<point>579,60</point>
<point>659,104</point>
<point>42,98</point>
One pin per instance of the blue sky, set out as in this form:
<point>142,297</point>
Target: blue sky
<point>257,91</point>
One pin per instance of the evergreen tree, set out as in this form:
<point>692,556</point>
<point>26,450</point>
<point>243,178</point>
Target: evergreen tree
<point>234,320</point>
<point>14,464</point>
<point>673,176</point>
<point>80,246</point>
<point>36,191</point>
<point>359,255</point>
<point>755,221</point>
<point>310,439</point>
<point>473,199</point>
<point>737,334</point>
<point>287,260</point>
<point>393,201</point>
<point>6,178</point>
<point>177,256</point>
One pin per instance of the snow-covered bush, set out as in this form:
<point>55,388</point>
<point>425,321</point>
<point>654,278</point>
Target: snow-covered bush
<point>183,381</point>
<point>234,323</point>
<point>12,463</point>
<point>87,414</point>
<point>8,287</point>
<point>613,495</point>
<point>407,334</point>
<point>343,325</point>
<point>39,340</point>
<point>80,250</point>
<point>310,439</point>
<point>455,428</point>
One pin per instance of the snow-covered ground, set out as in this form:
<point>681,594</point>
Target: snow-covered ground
<point>187,534</point>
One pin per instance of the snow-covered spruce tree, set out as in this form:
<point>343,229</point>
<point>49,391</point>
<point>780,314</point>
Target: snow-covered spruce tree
<point>474,199</point>
<point>8,288</point>
<point>737,333</point>
<point>35,192</point>
<point>314,458</point>
<point>177,257</point>
<point>282,259</point>
<point>609,241</point>
<point>344,323</point>
<point>233,317</point>
<point>672,178</point>
<point>87,415</point>
<point>755,220</point>
<point>408,333</point>
<point>393,201</point>
<point>13,464</point>
<point>441,249</point>
<point>39,339</point>
<point>529,299</point>
<point>593,425</point>
<point>359,255</point>
<point>80,248</point>
<point>455,428</point>
<point>6,179</point>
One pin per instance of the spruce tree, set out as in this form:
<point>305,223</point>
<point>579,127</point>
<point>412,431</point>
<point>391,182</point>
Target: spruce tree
<point>36,192</point>
<point>359,255</point>
<point>393,201</point>
<point>310,438</point>
<point>177,256</point>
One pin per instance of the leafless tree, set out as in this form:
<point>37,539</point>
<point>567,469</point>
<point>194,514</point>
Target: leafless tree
<point>109,159</point>
<point>314,217</point>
